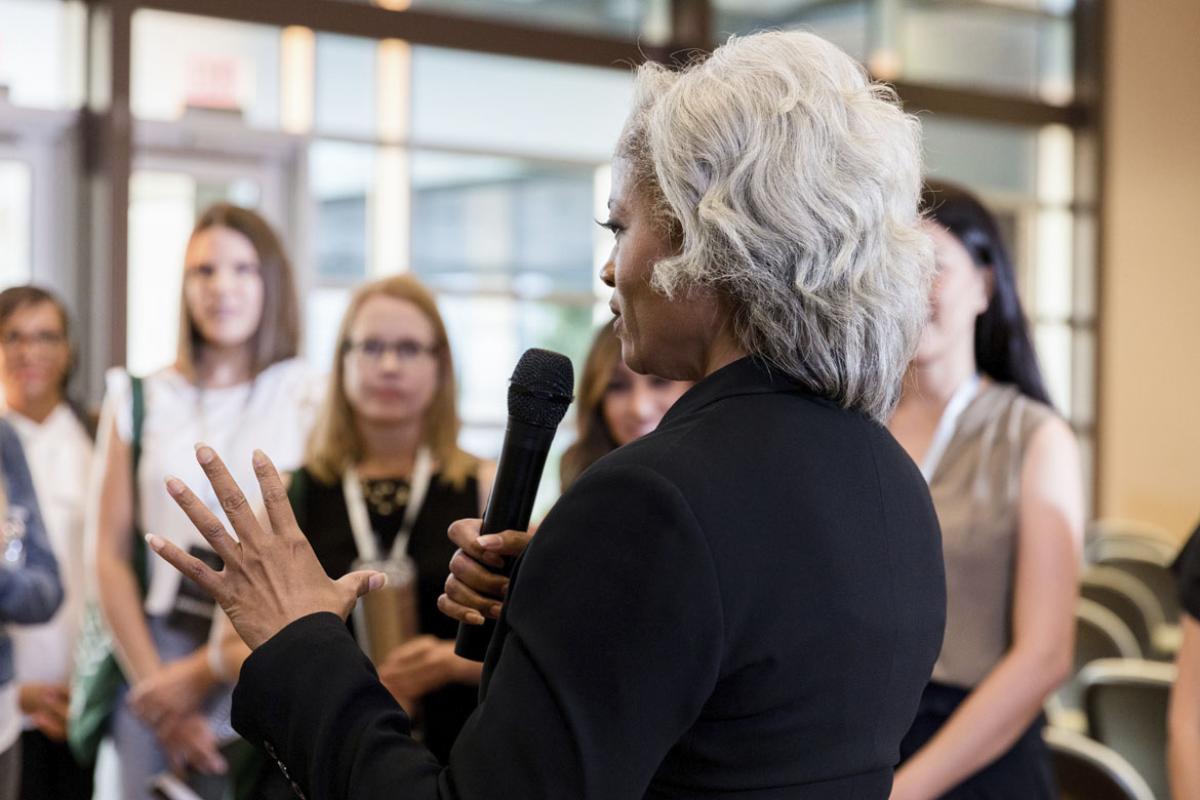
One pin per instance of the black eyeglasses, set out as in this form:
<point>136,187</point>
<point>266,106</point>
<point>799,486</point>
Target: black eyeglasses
<point>42,340</point>
<point>406,350</point>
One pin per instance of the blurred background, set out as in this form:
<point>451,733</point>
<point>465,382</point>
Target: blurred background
<point>468,141</point>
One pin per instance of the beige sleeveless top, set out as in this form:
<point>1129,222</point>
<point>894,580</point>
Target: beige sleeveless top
<point>975,488</point>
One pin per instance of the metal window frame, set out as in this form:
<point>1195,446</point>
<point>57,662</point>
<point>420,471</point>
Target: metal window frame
<point>108,139</point>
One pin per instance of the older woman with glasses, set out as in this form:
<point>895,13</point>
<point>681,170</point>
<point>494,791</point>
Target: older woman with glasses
<point>746,602</point>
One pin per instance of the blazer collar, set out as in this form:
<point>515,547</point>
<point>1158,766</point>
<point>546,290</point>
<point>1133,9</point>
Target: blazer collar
<point>748,375</point>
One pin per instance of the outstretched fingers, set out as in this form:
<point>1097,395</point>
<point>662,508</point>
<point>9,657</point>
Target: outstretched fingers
<point>205,577</point>
<point>274,494</point>
<point>230,495</point>
<point>208,523</point>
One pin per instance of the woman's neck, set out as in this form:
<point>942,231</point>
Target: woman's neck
<point>222,367</point>
<point>931,384</point>
<point>36,409</point>
<point>389,449</point>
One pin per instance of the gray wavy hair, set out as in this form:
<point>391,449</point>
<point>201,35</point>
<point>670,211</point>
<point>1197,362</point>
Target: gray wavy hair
<point>793,183</point>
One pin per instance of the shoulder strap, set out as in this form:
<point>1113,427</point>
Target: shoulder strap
<point>138,551</point>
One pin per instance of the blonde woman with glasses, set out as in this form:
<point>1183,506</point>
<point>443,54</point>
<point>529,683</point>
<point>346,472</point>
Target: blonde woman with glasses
<point>386,442</point>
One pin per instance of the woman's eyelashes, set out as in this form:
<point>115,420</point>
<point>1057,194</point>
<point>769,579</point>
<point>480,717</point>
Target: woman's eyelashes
<point>612,226</point>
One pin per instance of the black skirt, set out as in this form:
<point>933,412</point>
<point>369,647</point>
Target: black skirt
<point>1025,771</point>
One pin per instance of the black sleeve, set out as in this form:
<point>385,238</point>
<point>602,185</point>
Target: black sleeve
<point>1187,568</point>
<point>614,644</point>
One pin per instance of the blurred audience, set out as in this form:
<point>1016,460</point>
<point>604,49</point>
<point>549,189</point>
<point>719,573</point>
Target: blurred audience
<point>1184,718</point>
<point>30,591</point>
<point>36,361</point>
<point>614,406</point>
<point>1004,474</point>
<point>236,385</point>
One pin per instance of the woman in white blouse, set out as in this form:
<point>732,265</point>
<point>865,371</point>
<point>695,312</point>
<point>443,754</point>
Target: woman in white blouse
<point>35,364</point>
<point>238,385</point>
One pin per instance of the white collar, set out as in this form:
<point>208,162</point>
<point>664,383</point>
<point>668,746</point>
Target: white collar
<point>959,401</point>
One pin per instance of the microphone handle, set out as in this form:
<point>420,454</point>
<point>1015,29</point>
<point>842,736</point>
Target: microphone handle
<point>509,507</point>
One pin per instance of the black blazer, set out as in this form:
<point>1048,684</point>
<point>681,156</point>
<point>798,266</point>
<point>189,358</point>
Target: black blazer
<point>746,603</point>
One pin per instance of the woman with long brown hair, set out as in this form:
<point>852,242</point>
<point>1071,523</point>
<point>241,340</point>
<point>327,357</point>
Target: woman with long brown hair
<point>236,379</point>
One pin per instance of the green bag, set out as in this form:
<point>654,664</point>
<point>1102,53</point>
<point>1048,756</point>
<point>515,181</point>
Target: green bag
<point>97,678</point>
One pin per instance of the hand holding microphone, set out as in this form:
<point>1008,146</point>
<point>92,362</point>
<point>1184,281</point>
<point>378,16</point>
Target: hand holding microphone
<point>538,396</point>
<point>474,592</point>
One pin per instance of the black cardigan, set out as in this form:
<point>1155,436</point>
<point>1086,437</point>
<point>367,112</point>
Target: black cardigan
<point>746,603</point>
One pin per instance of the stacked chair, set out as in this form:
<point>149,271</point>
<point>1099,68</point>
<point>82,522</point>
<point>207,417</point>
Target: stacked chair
<point>1108,723</point>
<point>1087,770</point>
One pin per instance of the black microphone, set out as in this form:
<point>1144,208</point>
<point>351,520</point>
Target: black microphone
<point>538,395</point>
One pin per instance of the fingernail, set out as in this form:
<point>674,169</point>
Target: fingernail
<point>490,542</point>
<point>156,544</point>
<point>495,611</point>
<point>174,485</point>
<point>474,617</point>
<point>204,453</point>
<point>504,589</point>
<point>377,581</point>
<point>259,459</point>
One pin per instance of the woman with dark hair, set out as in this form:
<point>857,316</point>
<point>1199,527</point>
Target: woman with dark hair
<point>614,405</point>
<point>1004,474</point>
<point>35,365</point>
<point>237,379</point>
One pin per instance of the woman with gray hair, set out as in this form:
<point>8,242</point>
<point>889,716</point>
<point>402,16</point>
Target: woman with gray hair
<point>746,602</point>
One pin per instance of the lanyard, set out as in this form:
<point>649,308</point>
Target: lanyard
<point>360,520</point>
<point>962,398</point>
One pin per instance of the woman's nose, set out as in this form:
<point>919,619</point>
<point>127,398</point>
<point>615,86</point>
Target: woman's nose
<point>608,273</point>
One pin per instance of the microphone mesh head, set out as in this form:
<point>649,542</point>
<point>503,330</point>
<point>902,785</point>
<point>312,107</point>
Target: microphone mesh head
<point>540,389</point>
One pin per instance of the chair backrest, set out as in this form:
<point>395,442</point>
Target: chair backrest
<point>1103,534</point>
<point>1158,578</point>
<point>1087,770</point>
<point>1099,634</point>
<point>1128,598</point>
<point>1126,704</point>
<point>1144,550</point>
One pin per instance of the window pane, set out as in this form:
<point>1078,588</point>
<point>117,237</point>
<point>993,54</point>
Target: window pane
<point>322,317</point>
<point>989,46</point>
<point>342,178</point>
<point>42,53</point>
<point>182,62</point>
<point>488,335</point>
<point>1053,343</point>
<point>512,105</point>
<point>16,182</point>
<point>845,24</point>
<point>1053,290</point>
<point>502,225</point>
<point>345,85</point>
<point>985,156</point>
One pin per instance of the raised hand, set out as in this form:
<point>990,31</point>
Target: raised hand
<point>271,577</point>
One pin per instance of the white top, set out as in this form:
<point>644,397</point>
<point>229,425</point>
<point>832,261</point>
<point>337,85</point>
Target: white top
<point>274,413</point>
<point>59,452</point>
